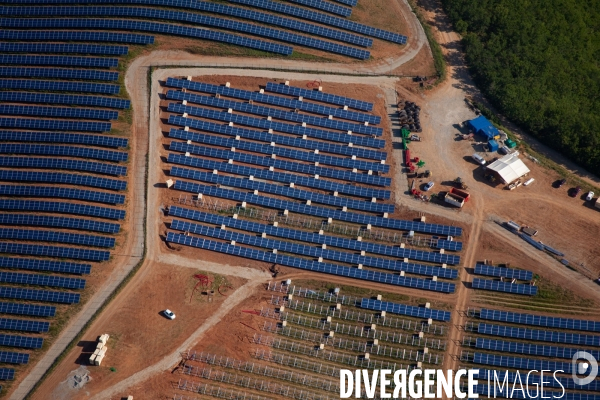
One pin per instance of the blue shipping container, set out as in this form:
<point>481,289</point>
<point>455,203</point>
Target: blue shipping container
<point>492,145</point>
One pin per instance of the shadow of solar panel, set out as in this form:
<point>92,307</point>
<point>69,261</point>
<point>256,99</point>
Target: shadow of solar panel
<point>489,270</point>
<point>77,36</point>
<point>21,341</point>
<point>63,48</point>
<point>540,320</point>
<point>24,325</point>
<point>67,179</point>
<point>6,374</point>
<point>57,125</point>
<point>288,192</point>
<point>403,309</point>
<point>59,237</point>
<point>280,164</point>
<point>14,358</point>
<point>60,73</point>
<point>275,113</point>
<point>144,26</point>
<point>503,346</point>
<point>42,280</point>
<point>273,100</point>
<point>72,151</point>
<point>521,363</point>
<point>539,335</point>
<point>59,112</point>
<point>64,193</point>
<point>93,101</point>
<point>54,251</point>
<point>27,309</point>
<point>59,86</point>
<point>506,287</point>
<point>303,236</point>
<point>59,61</point>
<point>63,208</point>
<point>70,138</point>
<point>311,15</point>
<point>58,222</point>
<point>319,96</point>
<point>311,265</point>
<point>44,265</point>
<point>57,163</point>
<point>276,126</point>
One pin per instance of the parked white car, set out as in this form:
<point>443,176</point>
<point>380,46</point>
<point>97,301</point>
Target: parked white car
<point>480,160</point>
<point>589,196</point>
<point>169,314</point>
<point>429,186</point>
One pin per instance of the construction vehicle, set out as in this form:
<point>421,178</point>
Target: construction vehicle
<point>274,270</point>
<point>459,182</point>
<point>426,174</point>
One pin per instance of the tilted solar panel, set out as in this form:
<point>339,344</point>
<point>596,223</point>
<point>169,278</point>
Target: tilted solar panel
<point>490,270</point>
<point>58,237</point>
<point>539,335</point>
<point>504,346</point>
<point>540,320</point>
<point>21,341</point>
<point>70,138</point>
<point>319,96</point>
<point>38,295</point>
<point>77,36</point>
<point>403,309</point>
<point>325,6</point>
<point>68,61</point>
<point>42,280</point>
<point>64,193</point>
<point>54,251</point>
<point>67,179</point>
<point>505,287</point>
<point>63,48</point>
<point>6,374</point>
<point>13,358</point>
<point>27,309</point>
<point>58,163</point>
<point>58,222</point>
<point>92,101</point>
<point>72,151</point>
<point>8,324</point>
<point>58,125</point>
<point>60,73</point>
<point>44,265</point>
<point>522,363</point>
<point>64,208</point>
<point>557,381</point>
<point>59,86</point>
<point>59,112</point>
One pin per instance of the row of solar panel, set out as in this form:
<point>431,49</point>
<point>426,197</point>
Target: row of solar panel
<point>489,270</point>
<point>59,237</point>
<point>311,15</point>
<point>530,349</point>
<point>6,374</point>
<point>8,47</point>
<point>539,335</point>
<point>44,265</point>
<point>60,73</point>
<point>56,125</point>
<point>485,390</point>
<point>540,320</point>
<point>62,208</point>
<point>275,113</point>
<point>54,251</point>
<point>325,6</point>
<point>38,295</point>
<point>61,86</point>
<point>334,214</point>
<point>448,245</point>
<point>70,36</point>
<point>70,61</point>
<point>59,222</point>
<point>305,250</point>
<point>70,138</point>
<point>42,280</point>
<point>13,358</point>
<point>145,26</point>
<point>60,112</point>
<point>32,310</point>
<point>72,151</point>
<point>8,324</point>
<point>319,96</point>
<point>525,364</point>
<point>270,175</point>
<point>307,169</point>
<point>284,191</point>
<point>506,287</point>
<point>289,153</point>
<point>311,265</point>
<point>150,13</point>
<point>93,101</point>
<point>303,236</point>
<point>273,100</point>
<point>58,163</point>
<point>403,309</point>
<point>21,341</point>
<point>533,379</point>
<point>276,126</point>
<point>67,179</point>
<point>64,193</point>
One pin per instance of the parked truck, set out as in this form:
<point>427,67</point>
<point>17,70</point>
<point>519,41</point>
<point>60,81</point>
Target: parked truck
<point>461,193</point>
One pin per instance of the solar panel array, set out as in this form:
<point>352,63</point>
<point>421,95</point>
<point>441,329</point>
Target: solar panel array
<point>38,295</point>
<point>403,309</point>
<point>70,138</point>
<point>59,237</point>
<point>488,270</point>
<point>540,320</point>
<point>32,310</point>
<point>530,349</point>
<point>54,251</point>
<point>21,341</point>
<point>325,6</point>
<point>319,96</point>
<point>57,125</point>
<point>60,73</point>
<point>72,151</point>
<point>539,335</point>
<point>448,245</point>
<point>63,48</point>
<point>58,163</point>
<point>67,179</point>
<point>42,280</point>
<point>77,36</point>
<point>58,222</point>
<point>13,358</point>
<point>59,86</point>
<point>44,265</point>
<point>92,101</point>
<point>8,324</point>
<point>310,265</point>
<point>64,193</point>
<point>522,363</point>
<point>69,61</point>
<point>63,208</point>
<point>557,381</point>
<point>506,287</point>
<point>60,112</point>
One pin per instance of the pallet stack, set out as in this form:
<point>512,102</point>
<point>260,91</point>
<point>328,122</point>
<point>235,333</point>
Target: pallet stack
<point>98,356</point>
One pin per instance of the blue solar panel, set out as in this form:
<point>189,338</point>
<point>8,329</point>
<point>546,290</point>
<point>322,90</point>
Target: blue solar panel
<point>275,113</point>
<point>70,138</point>
<point>350,3</point>
<point>93,101</point>
<point>57,163</point>
<point>21,341</point>
<point>61,86</point>
<point>27,309</point>
<point>312,15</point>
<point>540,320</point>
<point>58,237</point>
<point>274,100</point>
<point>488,270</point>
<point>54,251</point>
<point>72,151</point>
<point>333,241</point>
<point>403,309</point>
<point>42,280</point>
<point>68,61</point>
<point>64,193</point>
<point>539,335</point>
<point>325,6</point>
<point>58,222</point>
<point>448,245</point>
<point>530,349</point>
<point>64,208</point>
<point>44,265</point>
<point>23,325</point>
<point>276,126</point>
<point>522,363</point>
<point>483,389</point>
<point>77,36</point>
<point>60,112</point>
<point>268,175</point>
<point>506,287</point>
<point>6,374</point>
<point>39,295</point>
<point>280,164</point>
<point>60,73</point>
<point>63,48</point>
<point>311,265</point>
<point>319,96</point>
<point>67,179</point>
<point>57,125</point>
<point>13,358</point>
<point>533,379</point>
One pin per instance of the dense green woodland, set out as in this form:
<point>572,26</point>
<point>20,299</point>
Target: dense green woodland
<point>538,61</point>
